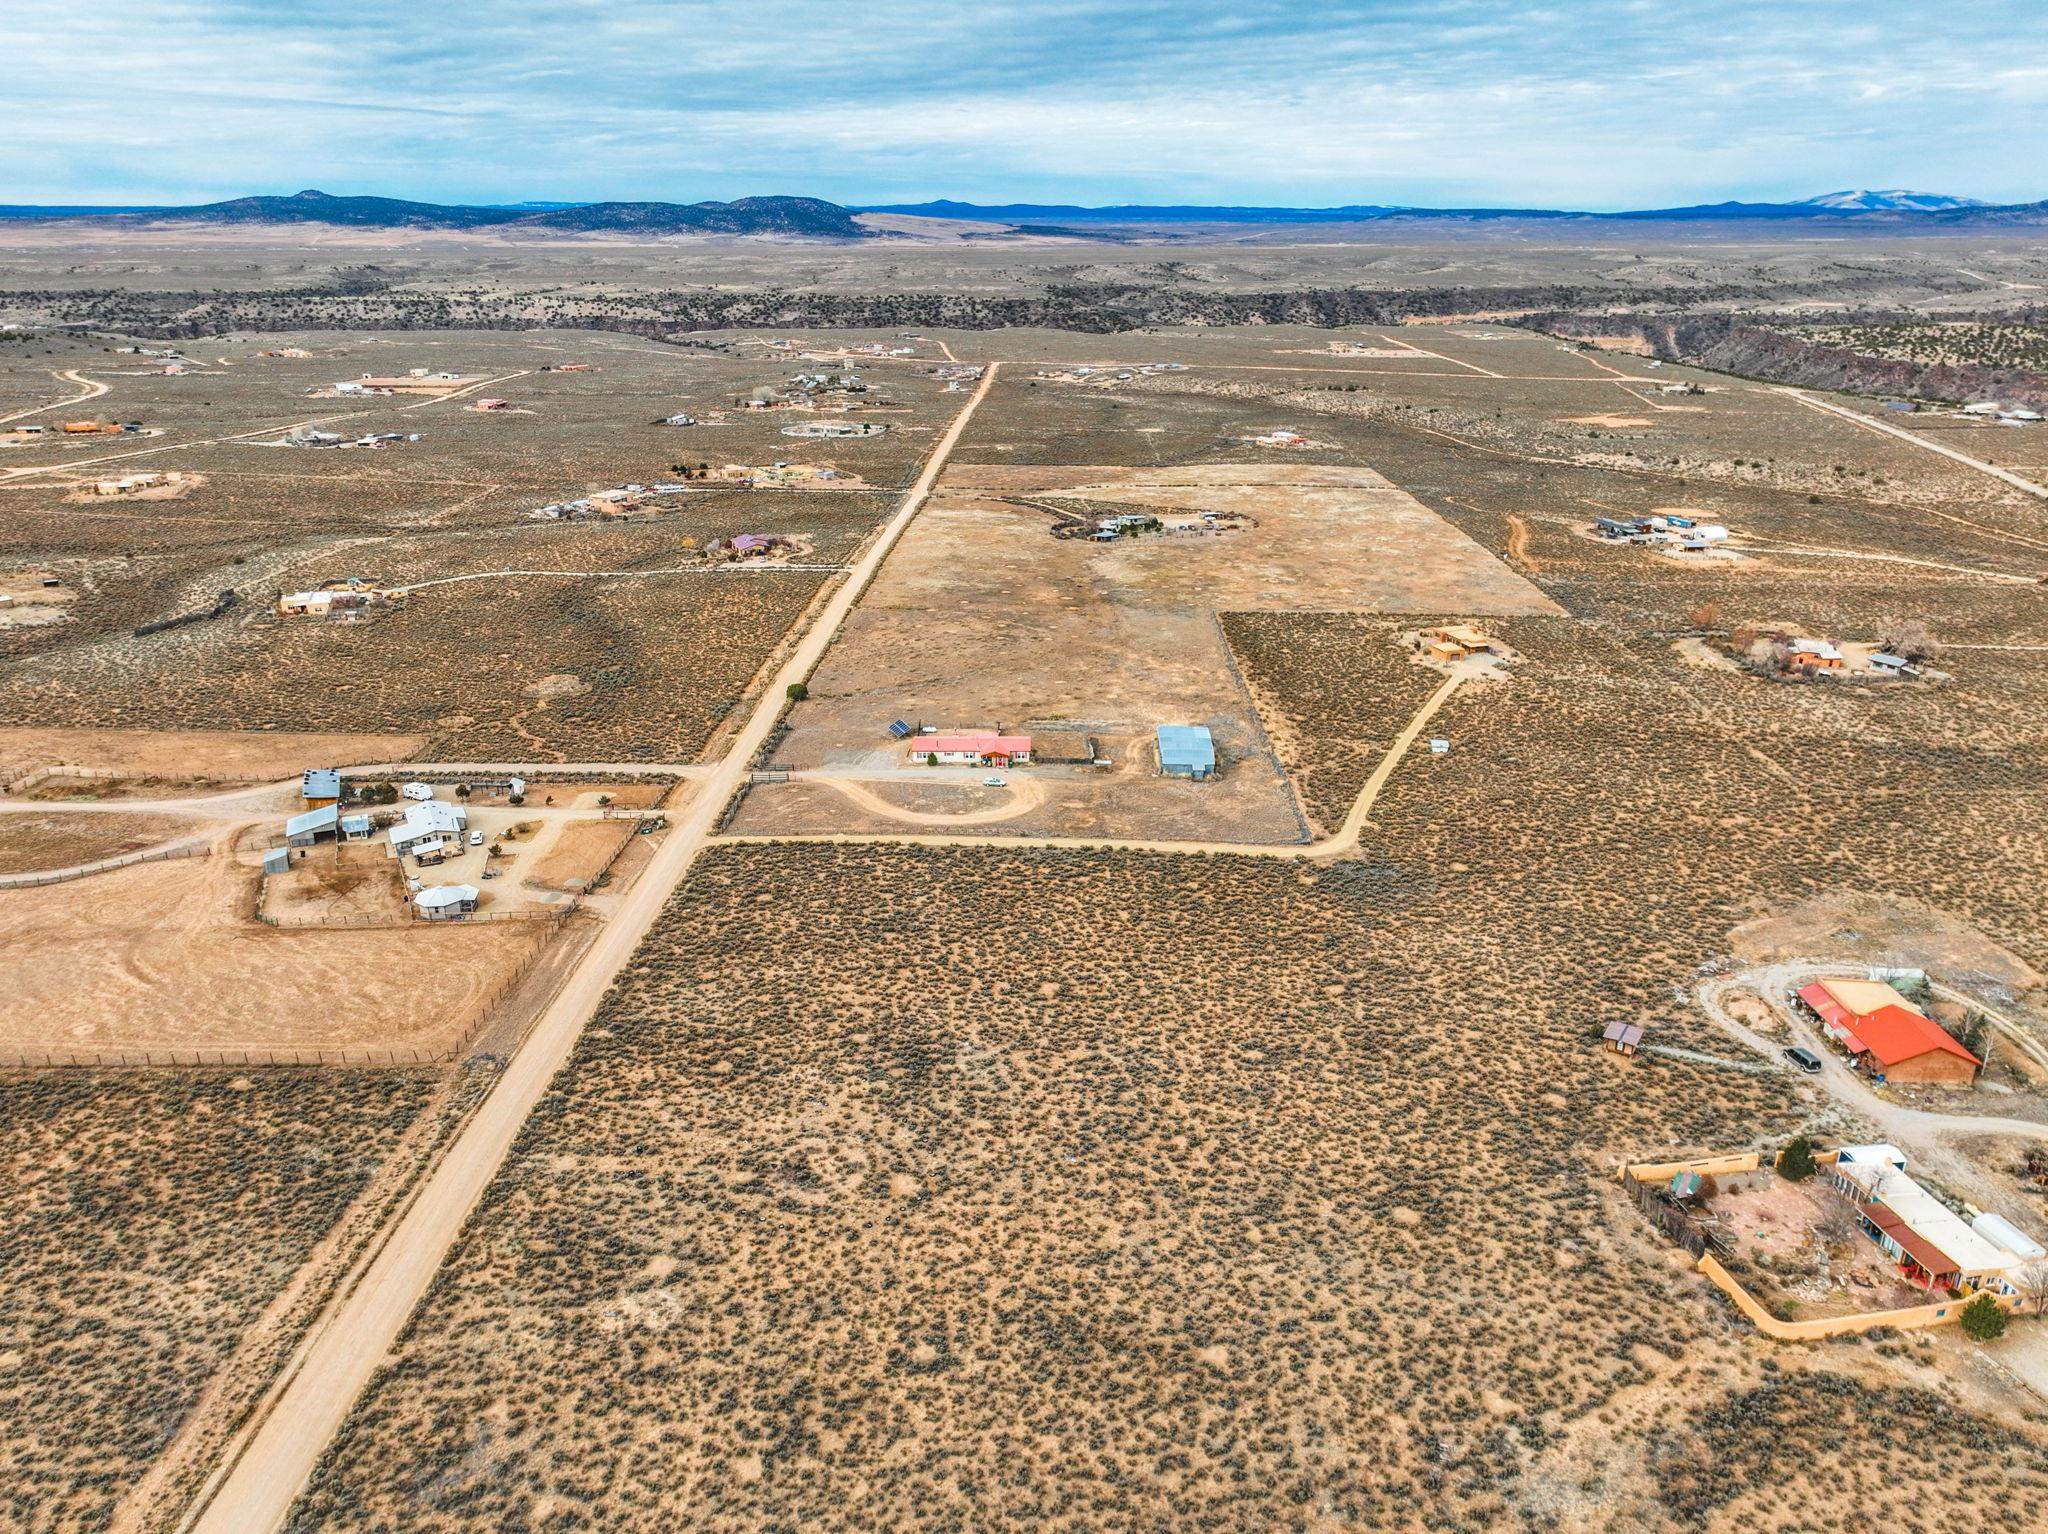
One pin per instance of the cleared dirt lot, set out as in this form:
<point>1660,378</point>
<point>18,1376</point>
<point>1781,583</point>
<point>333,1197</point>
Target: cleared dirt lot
<point>982,617</point>
<point>160,956</point>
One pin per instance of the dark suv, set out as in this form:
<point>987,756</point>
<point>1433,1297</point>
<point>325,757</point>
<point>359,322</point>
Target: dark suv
<point>1805,1059</point>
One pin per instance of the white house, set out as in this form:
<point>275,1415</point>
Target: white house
<point>446,902</point>
<point>432,821</point>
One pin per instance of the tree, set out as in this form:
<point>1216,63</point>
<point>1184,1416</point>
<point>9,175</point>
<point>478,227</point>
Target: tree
<point>797,692</point>
<point>2032,1283</point>
<point>462,790</point>
<point>1982,1320</point>
<point>1795,1161</point>
<point>1908,637</point>
<point>931,758</point>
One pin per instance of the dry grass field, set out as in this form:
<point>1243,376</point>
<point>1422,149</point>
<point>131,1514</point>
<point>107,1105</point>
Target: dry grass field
<point>33,842</point>
<point>152,1227</point>
<point>155,763</point>
<point>163,956</point>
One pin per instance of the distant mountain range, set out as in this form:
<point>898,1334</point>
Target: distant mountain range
<point>813,218</point>
<point>749,215</point>
<point>1833,209</point>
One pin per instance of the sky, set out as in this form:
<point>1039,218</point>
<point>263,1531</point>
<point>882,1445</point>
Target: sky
<point>1605,104</point>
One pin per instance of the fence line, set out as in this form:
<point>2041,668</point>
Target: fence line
<point>105,865</point>
<point>262,1057</point>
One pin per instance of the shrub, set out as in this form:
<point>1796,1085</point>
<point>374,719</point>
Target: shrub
<point>1982,1320</point>
<point>1795,1162</point>
<point>797,692</point>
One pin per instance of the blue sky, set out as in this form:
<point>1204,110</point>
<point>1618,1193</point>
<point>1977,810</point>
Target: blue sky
<point>1608,104</point>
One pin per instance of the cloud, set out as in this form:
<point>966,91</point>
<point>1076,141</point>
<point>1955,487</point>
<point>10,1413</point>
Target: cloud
<point>1612,103</point>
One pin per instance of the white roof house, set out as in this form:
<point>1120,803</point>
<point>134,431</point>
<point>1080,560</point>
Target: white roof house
<point>423,822</point>
<point>1883,1182</point>
<point>446,899</point>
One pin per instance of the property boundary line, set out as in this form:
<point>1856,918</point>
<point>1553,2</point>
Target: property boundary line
<point>188,849</point>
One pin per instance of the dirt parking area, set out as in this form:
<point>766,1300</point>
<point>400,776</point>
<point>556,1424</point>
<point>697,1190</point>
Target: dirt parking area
<point>31,842</point>
<point>162,955</point>
<point>983,618</point>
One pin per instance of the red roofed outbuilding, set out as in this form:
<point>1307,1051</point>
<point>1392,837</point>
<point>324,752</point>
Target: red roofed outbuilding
<point>1888,1034</point>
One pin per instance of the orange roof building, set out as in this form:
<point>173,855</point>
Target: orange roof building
<point>1888,1034</point>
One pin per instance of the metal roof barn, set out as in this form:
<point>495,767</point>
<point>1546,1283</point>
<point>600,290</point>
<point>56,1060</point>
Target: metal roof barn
<point>1186,751</point>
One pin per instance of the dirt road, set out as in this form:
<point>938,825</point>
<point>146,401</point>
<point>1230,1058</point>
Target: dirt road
<point>1921,1134</point>
<point>1024,795</point>
<point>265,1470</point>
<point>1872,424</point>
<point>69,375</point>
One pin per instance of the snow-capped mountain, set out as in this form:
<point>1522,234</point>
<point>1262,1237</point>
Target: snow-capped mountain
<point>1889,200</point>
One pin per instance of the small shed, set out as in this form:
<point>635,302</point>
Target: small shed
<point>321,785</point>
<point>1623,1038</point>
<point>446,902</point>
<point>303,830</point>
<point>1187,751</point>
<point>355,828</point>
<point>276,861</point>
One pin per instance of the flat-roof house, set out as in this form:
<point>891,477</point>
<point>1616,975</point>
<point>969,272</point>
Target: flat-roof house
<point>321,785</point>
<point>1815,654</point>
<point>979,748</point>
<point>447,902</point>
<point>355,828</point>
<point>1455,641</point>
<point>1932,1245</point>
<point>423,823</point>
<point>1187,751</point>
<point>304,829</point>
<point>1887,1035</point>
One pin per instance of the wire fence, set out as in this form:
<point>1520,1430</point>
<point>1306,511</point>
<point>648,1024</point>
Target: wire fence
<point>105,865</point>
<point>480,1013</point>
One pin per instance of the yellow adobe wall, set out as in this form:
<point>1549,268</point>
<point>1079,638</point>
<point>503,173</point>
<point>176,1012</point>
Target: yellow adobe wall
<point>1706,1166</point>
<point>1912,1318</point>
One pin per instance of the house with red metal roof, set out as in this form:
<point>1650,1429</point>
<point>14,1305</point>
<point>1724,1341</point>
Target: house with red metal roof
<point>976,748</point>
<point>1887,1035</point>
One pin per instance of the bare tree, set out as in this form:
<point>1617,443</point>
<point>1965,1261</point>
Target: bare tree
<point>1909,637</point>
<point>2032,1283</point>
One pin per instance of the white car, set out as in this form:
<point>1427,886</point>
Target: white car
<point>995,783</point>
<point>476,838</point>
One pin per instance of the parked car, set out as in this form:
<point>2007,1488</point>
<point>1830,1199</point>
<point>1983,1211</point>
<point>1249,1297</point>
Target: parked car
<point>476,838</point>
<point>994,783</point>
<point>1805,1059</point>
